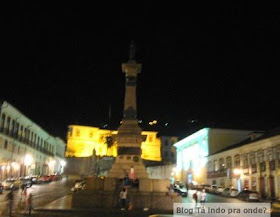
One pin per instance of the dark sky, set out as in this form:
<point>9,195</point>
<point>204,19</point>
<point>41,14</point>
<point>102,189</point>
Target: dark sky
<point>213,64</point>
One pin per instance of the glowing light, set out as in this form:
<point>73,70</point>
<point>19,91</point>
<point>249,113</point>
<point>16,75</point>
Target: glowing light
<point>237,171</point>
<point>63,163</point>
<point>28,159</point>
<point>15,166</point>
<point>51,163</point>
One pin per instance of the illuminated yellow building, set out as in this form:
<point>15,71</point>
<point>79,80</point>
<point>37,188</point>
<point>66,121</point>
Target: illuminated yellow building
<point>82,141</point>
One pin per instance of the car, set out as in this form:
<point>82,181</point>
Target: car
<point>56,177</point>
<point>212,189</point>
<point>1,188</point>
<point>78,185</point>
<point>219,190</point>
<point>181,190</point>
<point>35,180</point>
<point>11,184</point>
<point>45,179</point>
<point>230,192</point>
<point>26,181</point>
<point>233,192</point>
<point>249,195</point>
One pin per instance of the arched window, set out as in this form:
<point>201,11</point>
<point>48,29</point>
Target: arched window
<point>245,161</point>
<point>216,165</point>
<point>228,162</point>
<point>269,154</point>
<point>252,158</point>
<point>209,166</point>
<point>237,161</point>
<point>222,165</point>
<point>261,156</point>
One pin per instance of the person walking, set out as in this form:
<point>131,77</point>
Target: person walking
<point>123,197</point>
<point>29,203</point>
<point>10,198</point>
<point>195,197</point>
<point>203,198</point>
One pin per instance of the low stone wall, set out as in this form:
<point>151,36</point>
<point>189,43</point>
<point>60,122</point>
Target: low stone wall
<point>140,200</point>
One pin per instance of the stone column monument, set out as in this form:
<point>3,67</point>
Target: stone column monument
<point>129,138</point>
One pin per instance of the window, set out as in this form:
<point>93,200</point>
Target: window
<point>261,156</point>
<point>2,123</point>
<point>166,143</point>
<point>252,158</point>
<point>6,144</point>
<point>216,165</point>
<point>90,134</point>
<point>272,165</point>
<point>209,166</point>
<point>254,184</point>
<point>165,154</point>
<point>228,162</point>
<point>269,154</point>
<point>245,161</point>
<point>262,166</point>
<point>237,161</point>
<point>150,138</point>
<point>8,123</point>
<point>221,165</point>
<point>254,168</point>
<point>78,133</point>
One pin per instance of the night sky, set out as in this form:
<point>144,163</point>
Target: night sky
<point>214,64</point>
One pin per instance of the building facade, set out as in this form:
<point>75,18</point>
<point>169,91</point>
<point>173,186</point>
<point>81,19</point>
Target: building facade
<point>86,141</point>
<point>25,148</point>
<point>192,151</point>
<point>254,164</point>
<point>168,151</point>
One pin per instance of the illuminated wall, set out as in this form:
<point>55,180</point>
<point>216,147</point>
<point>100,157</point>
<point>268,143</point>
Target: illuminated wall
<point>191,153</point>
<point>83,140</point>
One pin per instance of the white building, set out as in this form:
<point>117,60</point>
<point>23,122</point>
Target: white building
<point>192,151</point>
<point>25,148</point>
<point>253,163</point>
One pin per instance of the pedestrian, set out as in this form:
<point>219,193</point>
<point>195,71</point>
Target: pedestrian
<point>29,203</point>
<point>10,198</point>
<point>203,198</point>
<point>195,196</point>
<point>123,197</point>
<point>126,180</point>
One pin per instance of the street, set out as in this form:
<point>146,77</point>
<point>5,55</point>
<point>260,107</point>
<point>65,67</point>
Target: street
<point>47,193</point>
<point>42,193</point>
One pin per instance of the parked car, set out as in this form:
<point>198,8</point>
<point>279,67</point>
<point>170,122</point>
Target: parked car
<point>56,177</point>
<point>35,180</point>
<point>204,186</point>
<point>78,185</point>
<point>219,190</point>
<point>45,179</point>
<point>11,184</point>
<point>249,195</point>
<point>26,181</point>
<point>1,188</point>
<point>230,192</point>
<point>181,190</point>
<point>233,192</point>
<point>212,189</point>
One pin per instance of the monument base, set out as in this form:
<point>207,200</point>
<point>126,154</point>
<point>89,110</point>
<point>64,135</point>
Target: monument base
<point>128,165</point>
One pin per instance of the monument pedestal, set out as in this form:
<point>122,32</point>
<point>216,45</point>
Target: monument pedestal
<point>128,161</point>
